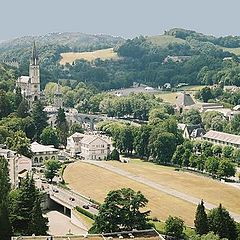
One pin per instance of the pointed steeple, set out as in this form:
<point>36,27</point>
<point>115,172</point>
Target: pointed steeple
<point>34,58</point>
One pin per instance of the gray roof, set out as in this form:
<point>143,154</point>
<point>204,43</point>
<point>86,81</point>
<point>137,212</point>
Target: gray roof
<point>224,137</point>
<point>184,99</point>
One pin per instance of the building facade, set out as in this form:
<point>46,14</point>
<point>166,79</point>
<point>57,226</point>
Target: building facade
<point>43,153</point>
<point>88,147</point>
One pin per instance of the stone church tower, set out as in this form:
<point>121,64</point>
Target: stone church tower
<point>34,74</point>
<point>30,85</point>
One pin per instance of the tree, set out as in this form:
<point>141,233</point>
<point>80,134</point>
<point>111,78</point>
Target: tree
<point>18,97</point>
<point>52,167</point>
<point>211,165</point>
<point>62,126</point>
<point>5,105</point>
<point>174,227</point>
<point>38,224</point>
<point>121,212</point>
<point>23,108</point>
<point>209,236</point>
<point>206,94</point>
<point>221,223</point>
<point>227,151</point>
<point>115,155</point>
<point>192,116</point>
<point>21,205</point>
<point>76,128</point>
<point>201,220</point>
<point>186,157</point>
<point>217,150</point>
<point>226,169</point>
<point>19,143</point>
<point>49,136</point>
<point>40,118</point>
<point>5,225</point>
<point>162,147</point>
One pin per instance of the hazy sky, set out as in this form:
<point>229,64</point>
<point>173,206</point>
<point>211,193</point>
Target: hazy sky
<point>127,18</point>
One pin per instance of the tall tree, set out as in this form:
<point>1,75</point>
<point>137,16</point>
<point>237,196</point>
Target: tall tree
<point>5,225</point>
<point>221,223</point>
<point>39,118</point>
<point>52,167</point>
<point>201,220</point>
<point>19,143</point>
<point>38,224</point>
<point>5,104</point>
<point>23,108</point>
<point>62,126</point>
<point>18,97</point>
<point>49,136</point>
<point>121,212</point>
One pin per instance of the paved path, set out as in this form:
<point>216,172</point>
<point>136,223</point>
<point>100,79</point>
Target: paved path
<point>157,186</point>
<point>60,224</point>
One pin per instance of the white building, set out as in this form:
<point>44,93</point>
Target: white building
<point>19,165</point>
<point>74,143</point>
<point>89,147</point>
<point>42,153</point>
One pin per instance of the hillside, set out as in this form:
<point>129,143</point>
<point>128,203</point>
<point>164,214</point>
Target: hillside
<point>164,40</point>
<point>102,54</point>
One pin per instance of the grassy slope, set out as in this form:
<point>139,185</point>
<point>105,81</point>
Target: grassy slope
<point>89,56</point>
<point>164,40</point>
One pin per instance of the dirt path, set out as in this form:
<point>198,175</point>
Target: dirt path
<point>157,186</point>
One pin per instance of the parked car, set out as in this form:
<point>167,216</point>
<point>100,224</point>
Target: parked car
<point>86,206</point>
<point>72,199</point>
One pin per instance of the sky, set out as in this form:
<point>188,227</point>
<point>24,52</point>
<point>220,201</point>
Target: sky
<point>126,18</point>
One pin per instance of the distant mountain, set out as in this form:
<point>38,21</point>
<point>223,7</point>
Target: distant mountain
<point>74,41</point>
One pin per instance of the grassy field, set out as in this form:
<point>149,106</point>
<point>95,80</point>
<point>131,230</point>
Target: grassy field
<point>164,40</point>
<point>198,186</point>
<point>232,50</point>
<point>95,182</point>
<point>103,54</point>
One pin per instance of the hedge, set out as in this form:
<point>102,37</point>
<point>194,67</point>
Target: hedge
<point>85,212</point>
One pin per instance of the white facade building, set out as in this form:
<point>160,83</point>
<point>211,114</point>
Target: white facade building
<point>43,153</point>
<point>89,147</point>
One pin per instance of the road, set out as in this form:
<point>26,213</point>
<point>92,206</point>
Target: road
<point>157,186</point>
<point>67,196</point>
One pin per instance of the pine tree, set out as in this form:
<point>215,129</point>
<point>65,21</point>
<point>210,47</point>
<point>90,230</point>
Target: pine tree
<point>62,126</point>
<point>18,97</point>
<point>5,226</point>
<point>39,118</point>
<point>22,110</point>
<point>38,223</point>
<point>221,223</point>
<point>201,221</point>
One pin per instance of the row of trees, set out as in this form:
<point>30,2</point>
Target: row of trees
<point>157,140</point>
<point>207,157</point>
<point>20,209</point>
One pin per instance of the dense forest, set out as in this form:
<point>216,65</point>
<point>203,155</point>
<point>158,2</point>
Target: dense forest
<point>201,59</point>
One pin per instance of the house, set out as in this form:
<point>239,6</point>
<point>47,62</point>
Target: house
<point>231,88</point>
<point>89,147</point>
<point>94,147</point>
<point>191,131</point>
<point>19,165</point>
<point>176,59</point>
<point>222,138</point>
<point>42,153</point>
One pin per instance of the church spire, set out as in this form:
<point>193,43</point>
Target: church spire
<point>34,58</point>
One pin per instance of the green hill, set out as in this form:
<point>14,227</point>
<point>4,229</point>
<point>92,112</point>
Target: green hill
<point>164,40</point>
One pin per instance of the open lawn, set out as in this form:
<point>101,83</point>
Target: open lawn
<point>232,50</point>
<point>96,182</point>
<point>103,54</point>
<point>198,186</point>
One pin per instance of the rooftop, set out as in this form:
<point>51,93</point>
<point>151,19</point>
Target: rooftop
<point>224,137</point>
<point>36,148</point>
<point>184,99</point>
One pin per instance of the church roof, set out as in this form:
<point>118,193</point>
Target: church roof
<point>24,79</point>
<point>34,58</point>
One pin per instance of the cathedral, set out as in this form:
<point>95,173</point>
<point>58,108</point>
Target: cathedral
<point>30,85</point>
